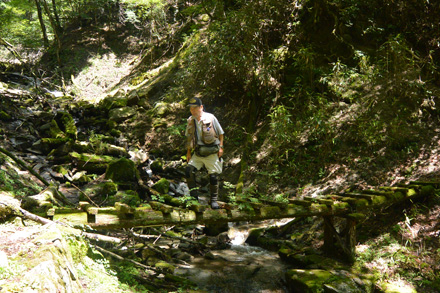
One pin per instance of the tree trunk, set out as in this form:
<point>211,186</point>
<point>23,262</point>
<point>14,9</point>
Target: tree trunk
<point>57,18</point>
<point>43,26</point>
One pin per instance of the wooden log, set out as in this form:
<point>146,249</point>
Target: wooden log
<point>358,195</point>
<point>387,194</point>
<point>329,244</point>
<point>183,216</point>
<point>434,184</point>
<point>124,210</point>
<point>270,212</point>
<point>90,210</point>
<point>328,202</point>
<point>300,202</point>
<point>50,213</point>
<point>164,208</point>
<point>340,207</point>
<point>350,239</point>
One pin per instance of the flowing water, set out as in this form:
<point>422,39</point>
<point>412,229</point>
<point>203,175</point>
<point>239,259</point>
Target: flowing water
<point>241,268</point>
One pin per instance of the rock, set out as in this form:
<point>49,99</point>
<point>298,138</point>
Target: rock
<point>122,170</point>
<point>179,189</point>
<point>315,280</point>
<point>166,267</point>
<point>91,162</point>
<point>121,114</point>
<point>185,256</point>
<point>162,186</point>
<point>113,102</point>
<point>52,265</point>
<point>107,188</point>
<point>67,125</point>
<point>129,197</point>
<point>162,108</point>
<point>157,165</point>
<point>138,156</point>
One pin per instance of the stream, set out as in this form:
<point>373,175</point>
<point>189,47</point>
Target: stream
<point>240,268</point>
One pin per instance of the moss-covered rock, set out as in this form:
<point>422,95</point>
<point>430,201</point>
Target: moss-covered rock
<point>157,165</point>
<point>122,170</point>
<point>112,102</point>
<point>162,186</point>
<point>121,114</point>
<point>253,236</point>
<point>315,280</point>
<point>165,267</point>
<point>107,188</point>
<point>91,162</point>
<point>129,197</point>
<point>67,124</point>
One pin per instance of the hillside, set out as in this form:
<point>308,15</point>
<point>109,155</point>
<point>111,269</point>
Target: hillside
<point>316,97</point>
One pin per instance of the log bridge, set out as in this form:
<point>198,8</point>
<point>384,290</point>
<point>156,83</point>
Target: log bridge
<point>351,206</point>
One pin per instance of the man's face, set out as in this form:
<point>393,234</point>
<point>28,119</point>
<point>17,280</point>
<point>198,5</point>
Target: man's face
<point>196,111</point>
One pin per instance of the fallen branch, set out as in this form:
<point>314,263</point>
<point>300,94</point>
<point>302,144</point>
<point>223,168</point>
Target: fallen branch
<point>57,193</point>
<point>10,48</point>
<point>118,257</point>
<point>85,194</point>
<point>176,237</point>
<point>23,164</point>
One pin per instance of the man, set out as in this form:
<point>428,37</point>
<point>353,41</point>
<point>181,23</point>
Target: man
<point>204,135</point>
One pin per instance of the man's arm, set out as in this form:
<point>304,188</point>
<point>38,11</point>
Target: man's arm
<point>188,155</point>
<point>220,151</point>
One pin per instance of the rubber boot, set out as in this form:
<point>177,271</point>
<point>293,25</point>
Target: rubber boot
<point>214,196</point>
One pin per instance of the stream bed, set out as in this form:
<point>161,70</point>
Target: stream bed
<point>240,268</point>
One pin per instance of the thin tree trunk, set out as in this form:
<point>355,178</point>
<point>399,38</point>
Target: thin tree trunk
<point>57,18</point>
<point>56,31</point>
<point>43,26</point>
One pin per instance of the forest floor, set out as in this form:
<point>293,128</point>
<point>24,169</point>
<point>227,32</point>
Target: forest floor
<point>401,244</point>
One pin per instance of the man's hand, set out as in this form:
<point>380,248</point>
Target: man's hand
<point>220,152</point>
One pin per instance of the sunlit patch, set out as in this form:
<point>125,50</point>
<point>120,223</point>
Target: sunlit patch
<point>398,285</point>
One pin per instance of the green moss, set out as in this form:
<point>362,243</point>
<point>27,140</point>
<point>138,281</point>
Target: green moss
<point>129,197</point>
<point>122,170</point>
<point>157,165</point>
<point>166,267</point>
<point>113,102</point>
<point>162,186</point>
<point>5,116</point>
<point>67,124</point>
<point>102,189</point>
<point>379,200</point>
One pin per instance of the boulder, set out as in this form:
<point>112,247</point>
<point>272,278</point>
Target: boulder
<point>122,170</point>
<point>129,197</point>
<point>91,162</point>
<point>113,102</point>
<point>121,114</point>
<point>162,186</point>
<point>102,189</point>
